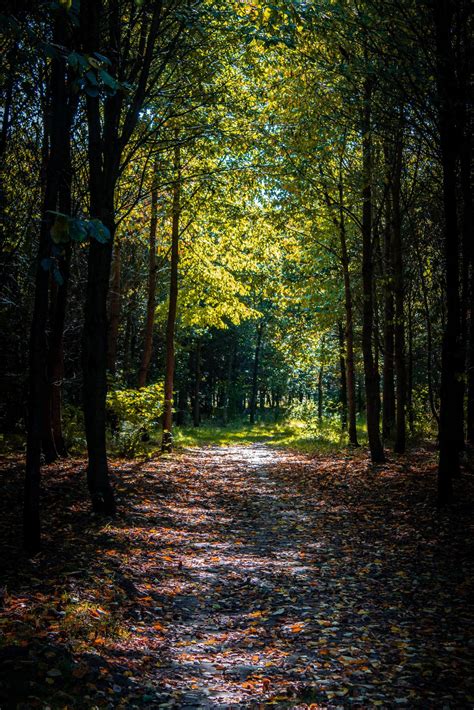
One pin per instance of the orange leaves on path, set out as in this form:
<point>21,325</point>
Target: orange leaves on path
<point>243,577</point>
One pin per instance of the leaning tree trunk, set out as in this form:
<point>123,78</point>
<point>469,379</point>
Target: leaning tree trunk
<point>167,439</point>
<point>370,371</point>
<point>150,306</point>
<point>451,365</point>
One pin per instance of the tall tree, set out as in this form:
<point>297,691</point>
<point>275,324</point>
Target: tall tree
<point>132,62</point>
<point>452,365</point>
<point>370,370</point>
<point>167,439</point>
<point>151,296</point>
<point>59,139</point>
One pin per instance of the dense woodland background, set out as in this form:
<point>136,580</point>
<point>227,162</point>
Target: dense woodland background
<point>216,211</point>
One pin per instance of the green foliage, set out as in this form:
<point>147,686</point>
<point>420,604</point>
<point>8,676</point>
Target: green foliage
<point>133,414</point>
<point>73,429</point>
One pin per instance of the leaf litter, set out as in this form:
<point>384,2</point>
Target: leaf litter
<point>242,576</point>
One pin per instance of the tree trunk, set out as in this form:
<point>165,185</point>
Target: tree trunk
<point>228,385</point>
<point>429,339</point>
<point>343,377</point>
<point>411,414</point>
<point>451,364</point>
<point>400,365</point>
<point>150,308</point>
<point>197,385</point>
<point>94,345</point>
<point>388,412</point>
<point>468,255</point>
<point>115,298</point>
<point>320,394</point>
<point>253,397</point>
<point>370,371</point>
<point>349,325</point>
<point>167,439</point>
<point>53,443</point>
<point>38,375</point>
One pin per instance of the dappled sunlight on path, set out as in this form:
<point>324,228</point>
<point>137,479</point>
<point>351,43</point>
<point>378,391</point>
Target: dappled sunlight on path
<point>238,576</point>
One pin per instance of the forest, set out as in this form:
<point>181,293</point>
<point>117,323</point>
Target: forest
<point>237,354</point>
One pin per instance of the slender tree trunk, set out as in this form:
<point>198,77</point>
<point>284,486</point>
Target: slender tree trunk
<point>7,106</point>
<point>253,398</point>
<point>388,412</point>
<point>150,308</point>
<point>349,325</point>
<point>429,339</point>
<point>38,374</point>
<point>400,365</point>
<point>167,439</point>
<point>411,414</point>
<point>115,299</point>
<point>343,377</point>
<point>320,394</point>
<point>470,374</point>
<point>53,443</point>
<point>451,365</point>
<point>370,371</point>
<point>468,259</point>
<point>197,385</point>
<point>180,414</point>
<point>228,384</point>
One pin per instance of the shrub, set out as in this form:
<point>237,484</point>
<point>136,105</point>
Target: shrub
<point>133,414</point>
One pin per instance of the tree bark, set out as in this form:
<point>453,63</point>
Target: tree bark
<point>150,307</point>
<point>370,371</point>
<point>388,411</point>
<point>115,299</point>
<point>411,413</point>
<point>53,443</point>
<point>167,439</point>
<point>349,324</point>
<point>320,394</point>
<point>228,385</point>
<point>429,339</point>
<point>400,365</point>
<point>103,171</point>
<point>111,123</point>
<point>197,385</point>
<point>451,365</point>
<point>255,373</point>
<point>38,371</point>
<point>343,377</point>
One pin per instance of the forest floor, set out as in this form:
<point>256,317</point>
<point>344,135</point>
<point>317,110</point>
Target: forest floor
<point>242,576</point>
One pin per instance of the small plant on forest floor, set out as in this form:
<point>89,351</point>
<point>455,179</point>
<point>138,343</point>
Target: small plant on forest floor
<point>133,415</point>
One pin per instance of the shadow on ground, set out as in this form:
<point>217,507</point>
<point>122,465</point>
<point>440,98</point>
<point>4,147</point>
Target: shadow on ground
<point>241,577</point>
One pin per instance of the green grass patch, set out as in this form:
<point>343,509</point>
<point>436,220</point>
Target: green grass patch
<point>292,434</point>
